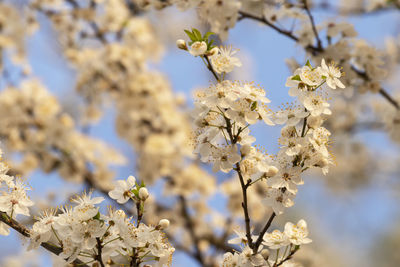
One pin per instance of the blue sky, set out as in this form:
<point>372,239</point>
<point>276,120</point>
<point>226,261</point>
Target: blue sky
<point>343,218</point>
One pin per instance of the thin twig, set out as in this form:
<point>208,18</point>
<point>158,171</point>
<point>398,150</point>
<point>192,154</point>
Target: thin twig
<point>315,50</point>
<point>314,28</point>
<point>211,69</point>
<point>288,257</point>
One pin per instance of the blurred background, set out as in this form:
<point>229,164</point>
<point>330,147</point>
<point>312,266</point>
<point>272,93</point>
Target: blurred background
<point>352,213</point>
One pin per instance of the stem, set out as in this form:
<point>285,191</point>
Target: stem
<point>99,249</point>
<point>303,131</point>
<point>262,233</point>
<point>242,184</point>
<point>277,257</point>
<point>139,212</point>
<point>288,257</point>
<point>211,69</point>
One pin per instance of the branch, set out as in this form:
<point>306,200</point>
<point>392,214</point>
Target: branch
<point>242,184</point>
<point>99,249</point>
<point>314,28</point>
<point>314,49</point>
<point>382,91</point>
<point>262,233</point>
<point>289,34</point>
<point>245,15</point>
<point>25,232</point>
<point>189,225</point>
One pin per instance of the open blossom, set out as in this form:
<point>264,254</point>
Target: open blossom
<point>16,201</point>
<point>122,191</point>
<point>332,74</point>
<point>311,76</point>
<point>86,208</point>
<point>42,229</point>
<point>242,113</point>
<point>297,233</point>
<point>288,178</point>
<point>316,104</point>
<point>225,158</point>
<point>276,239</point>
<point>198,48</point>
<point>279,199</point>
<point>224,61</point>
<point>290,116</point>
<point>241,238</point>
<point>245,258</point>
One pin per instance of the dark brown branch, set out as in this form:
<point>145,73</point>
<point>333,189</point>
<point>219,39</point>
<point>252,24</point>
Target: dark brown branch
<point>289,34</point>
<point>245,15</point>
<point>315,50</point>
<point>99,250</point>
<point>314,28</point>
<point>389,98</point>
<point>262,233</point>
<point>25,232</point>
<point>243,185</point>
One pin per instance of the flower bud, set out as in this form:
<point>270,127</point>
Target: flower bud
<point>314,121</point>
<point>181,44</point>
<point>198,48</point>
<point>265,253</point>
<point>272,170</point>
<point>143,193</point>
<point>163,224</point>
<point>213,52</point>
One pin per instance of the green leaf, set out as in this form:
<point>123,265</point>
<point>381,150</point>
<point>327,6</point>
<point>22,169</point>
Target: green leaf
<point>208,34</point>
<point>135,192</point>
<point>197,34</point>
<point>209,45</point>
<point>308,64</point>
<point>296,78</point>
<point>97,217</point>
<point>191,35</point>
<point>254,105</point>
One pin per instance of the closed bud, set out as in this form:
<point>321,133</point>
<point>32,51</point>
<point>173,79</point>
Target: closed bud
<point>181,44</point>
<point>314,121</point>
<point>272,170</point>
<point>265,253</point>
<point>163,224</point>
<point>143,193</point>
<point>213,52</point>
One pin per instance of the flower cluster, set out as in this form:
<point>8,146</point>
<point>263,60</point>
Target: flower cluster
<point>33,123</point>
<point>223,114</point>
<point>84,233</point>
<point>304,141</point>
<point>13,198</point>
<point>290,240</point>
